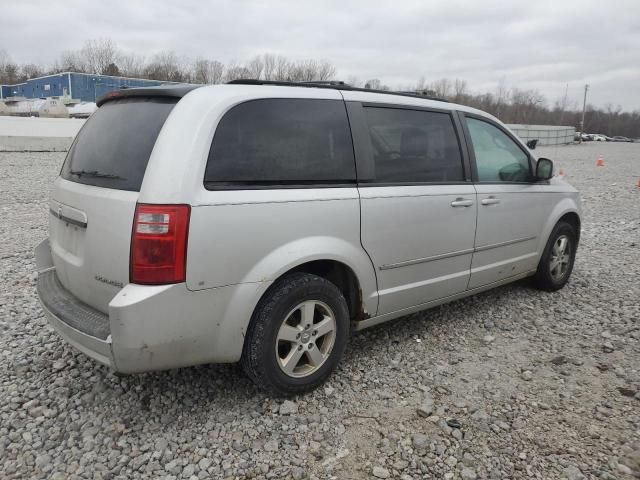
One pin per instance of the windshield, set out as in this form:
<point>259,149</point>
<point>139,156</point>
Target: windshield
<point>113,148</point>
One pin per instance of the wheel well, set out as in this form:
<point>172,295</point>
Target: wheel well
<point>342,277</point>
<point>572,219</point>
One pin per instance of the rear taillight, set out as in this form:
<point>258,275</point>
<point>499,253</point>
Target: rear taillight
<point>159,244</point>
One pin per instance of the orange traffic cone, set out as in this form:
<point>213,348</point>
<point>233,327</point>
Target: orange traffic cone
<point>600,161</point>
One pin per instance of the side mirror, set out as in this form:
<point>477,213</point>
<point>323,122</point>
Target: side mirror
<point>544,169</point>
<point>532,144</point>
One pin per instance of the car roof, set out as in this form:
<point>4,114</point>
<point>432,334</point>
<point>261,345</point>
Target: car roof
<point>178,91</point>
<point>253,88</point>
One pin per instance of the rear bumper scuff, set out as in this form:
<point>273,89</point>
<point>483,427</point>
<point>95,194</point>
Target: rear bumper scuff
<point>153,327</point>
<point>82,326</point>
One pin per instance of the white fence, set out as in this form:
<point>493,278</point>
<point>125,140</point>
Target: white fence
<point>545,134</point>
<point>33,134</point>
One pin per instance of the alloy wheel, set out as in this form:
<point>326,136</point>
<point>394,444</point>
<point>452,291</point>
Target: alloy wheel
<point>560,258</point>
<point>305,339</point>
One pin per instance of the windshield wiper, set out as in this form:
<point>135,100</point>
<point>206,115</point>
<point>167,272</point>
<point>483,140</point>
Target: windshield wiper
<point>95,173</point>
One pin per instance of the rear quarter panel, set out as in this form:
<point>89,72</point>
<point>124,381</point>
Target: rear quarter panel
<point>249,236</point>
<point>256,236</point>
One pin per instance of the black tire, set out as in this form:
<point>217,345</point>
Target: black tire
<point>259,357</point>
<point>544,279</point>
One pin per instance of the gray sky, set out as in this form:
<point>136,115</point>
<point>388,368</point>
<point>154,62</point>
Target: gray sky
<point>526,44</point>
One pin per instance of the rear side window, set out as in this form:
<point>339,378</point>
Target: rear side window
<point>282,142</point>
<point>113,148</point>
<point>413,146</point>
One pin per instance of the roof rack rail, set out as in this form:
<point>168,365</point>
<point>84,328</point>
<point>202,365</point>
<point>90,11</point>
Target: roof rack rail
<point>327,82</point>
<point>333,84</point>
<point>284,83</point>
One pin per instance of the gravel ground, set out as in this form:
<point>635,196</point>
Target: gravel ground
<point>512,383</point>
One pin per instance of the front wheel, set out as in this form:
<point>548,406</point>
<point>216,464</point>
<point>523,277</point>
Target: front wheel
<point>557,259</point>
<point>297,334</point>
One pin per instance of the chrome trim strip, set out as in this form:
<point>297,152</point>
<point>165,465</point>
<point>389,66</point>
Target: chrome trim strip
<point>269,202</point>
<point>45,270</point>
<point>426,259</point>
<point>417,261</point>
<point>66,219</point>
<point>370,322</point>
<point>504,244</point>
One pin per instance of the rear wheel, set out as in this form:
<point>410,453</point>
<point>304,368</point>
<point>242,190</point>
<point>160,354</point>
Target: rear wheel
<point>557,259</point>
<point>297,335</point>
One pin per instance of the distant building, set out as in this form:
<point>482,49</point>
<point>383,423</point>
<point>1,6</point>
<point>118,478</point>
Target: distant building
<point>81,86</point>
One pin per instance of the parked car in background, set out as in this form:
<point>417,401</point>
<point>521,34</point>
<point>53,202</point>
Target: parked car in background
<point>620,138</point>
<point>586,137</point>
<point>596,137</point>
<point>262,222</point>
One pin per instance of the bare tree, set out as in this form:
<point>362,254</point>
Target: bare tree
<point>325,70</point>
<point>304,71</point>
<point>373,84</point>
<point>31,70</point>
<point>525,104</point>
<point>354,81</point>
<point>562,103</point>
<point>10,73</point>
<point>216,71</point>
<point>442,87</point>
<point>501,96</point>
<point>269,66</point>
<point>235,71</point>
<point>111,69</point>
<point>459,90</point>
<point>71,61</point>
<point>166,66</point>
<point>131,65</point>
<point>256,67</point>
<point>311,70</point>
<point>281,68</point>
<point>8,69</point>
<point>4,59</point>
<point>511,105</point>
<point>98,54</point>
<point>296,72</point>
<point>207,71</point>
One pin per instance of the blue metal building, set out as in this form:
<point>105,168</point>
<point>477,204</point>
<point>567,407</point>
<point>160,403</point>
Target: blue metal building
<point>82,86</point>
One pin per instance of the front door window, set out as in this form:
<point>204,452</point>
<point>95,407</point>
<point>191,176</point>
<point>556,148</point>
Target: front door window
<point>498,158</point>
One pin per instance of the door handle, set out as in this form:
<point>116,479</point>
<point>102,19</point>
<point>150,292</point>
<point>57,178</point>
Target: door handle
<point>490,201</point>
<point>461,202</point>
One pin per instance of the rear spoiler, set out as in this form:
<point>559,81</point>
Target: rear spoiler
<point>160,91</point>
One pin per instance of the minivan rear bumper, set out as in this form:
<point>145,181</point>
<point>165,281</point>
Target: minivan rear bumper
<point>150,327</point>
<point>81,325</point>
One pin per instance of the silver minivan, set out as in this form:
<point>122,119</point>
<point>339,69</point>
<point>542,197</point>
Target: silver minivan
<point>263,222</point>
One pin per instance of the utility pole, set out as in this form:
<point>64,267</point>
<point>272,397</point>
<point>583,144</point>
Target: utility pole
<point>584,109</point>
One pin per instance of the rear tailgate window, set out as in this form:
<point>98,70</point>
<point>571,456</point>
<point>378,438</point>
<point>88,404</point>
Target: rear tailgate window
<point>113,148</point>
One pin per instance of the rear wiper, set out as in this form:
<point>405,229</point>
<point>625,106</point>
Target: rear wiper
<point>94,173</point>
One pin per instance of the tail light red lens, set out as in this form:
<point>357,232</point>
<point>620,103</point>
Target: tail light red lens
<point>159,244</point>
